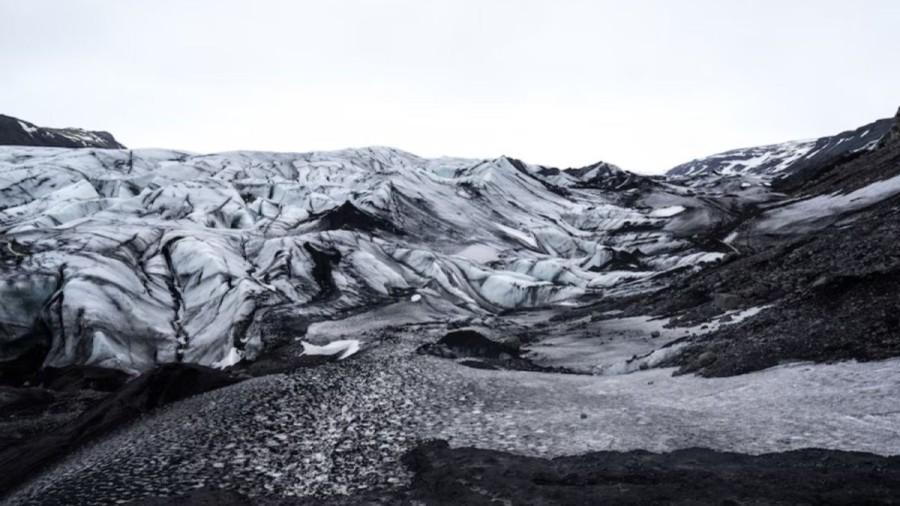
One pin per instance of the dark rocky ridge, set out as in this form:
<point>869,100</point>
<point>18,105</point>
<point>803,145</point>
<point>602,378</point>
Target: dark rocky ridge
<point>847,173</point>
<point>782,157</point>
<point>349,217</point>
<point>471,348</point>
<point>16,132</point>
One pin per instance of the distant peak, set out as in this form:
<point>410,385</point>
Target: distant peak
<point>18,132</point>
<point>790,157</point>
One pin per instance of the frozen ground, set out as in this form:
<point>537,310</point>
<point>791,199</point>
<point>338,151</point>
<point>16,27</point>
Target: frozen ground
<point>802,214</point>
<point>342,427</point>
<point>849,406</point>
<point>619,345</point>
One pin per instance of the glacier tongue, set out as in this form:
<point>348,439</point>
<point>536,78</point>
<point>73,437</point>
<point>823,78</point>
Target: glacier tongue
<point>128,259</point>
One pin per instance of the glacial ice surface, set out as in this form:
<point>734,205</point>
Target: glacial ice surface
<point>134,258</point>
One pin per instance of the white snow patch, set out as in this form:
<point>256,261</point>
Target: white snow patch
<point>28,129</point>
<point>807,211</point>
<point>342,348</point>
<point>233,357</point>
<point>666,212</point>
<point>525,238</point>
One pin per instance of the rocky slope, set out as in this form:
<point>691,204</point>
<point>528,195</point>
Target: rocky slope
<point>788,157</point>
<point>17,132</point>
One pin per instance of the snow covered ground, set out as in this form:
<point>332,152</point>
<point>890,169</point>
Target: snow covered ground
<point>786,157</point>
<point>772,159</point>
<point>622,345</point>
<point>802,215</point>
<point>849,406</point>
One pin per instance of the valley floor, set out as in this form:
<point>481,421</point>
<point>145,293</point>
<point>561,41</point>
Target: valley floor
<point>341,428</point>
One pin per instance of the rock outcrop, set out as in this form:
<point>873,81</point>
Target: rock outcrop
<point>17,132</point>
<point>893,136</point>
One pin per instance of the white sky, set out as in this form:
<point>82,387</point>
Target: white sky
<point>645,84</point>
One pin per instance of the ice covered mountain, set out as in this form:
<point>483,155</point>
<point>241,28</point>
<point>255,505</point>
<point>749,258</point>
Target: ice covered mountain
<point>17,132</point>
<point>128,259</point>
<point>788,157</point>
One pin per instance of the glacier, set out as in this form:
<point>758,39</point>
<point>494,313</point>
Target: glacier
<point>131,258</point>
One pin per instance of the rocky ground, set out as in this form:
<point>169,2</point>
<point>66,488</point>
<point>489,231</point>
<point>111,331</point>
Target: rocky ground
<point>695,476</point>
<point>340,431</point>
<point>450,476</point>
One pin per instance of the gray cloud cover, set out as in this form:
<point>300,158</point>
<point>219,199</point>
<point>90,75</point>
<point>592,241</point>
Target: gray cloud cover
<point>645,84</point>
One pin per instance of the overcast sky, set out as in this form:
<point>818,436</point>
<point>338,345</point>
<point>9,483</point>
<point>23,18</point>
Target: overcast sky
<point>643,84</point>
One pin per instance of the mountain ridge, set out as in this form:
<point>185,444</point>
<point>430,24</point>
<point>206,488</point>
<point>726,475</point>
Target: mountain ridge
<point>787,157</point>
<point>18,132</point>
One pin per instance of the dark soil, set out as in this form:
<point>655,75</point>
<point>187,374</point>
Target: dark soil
<point>693,476</point>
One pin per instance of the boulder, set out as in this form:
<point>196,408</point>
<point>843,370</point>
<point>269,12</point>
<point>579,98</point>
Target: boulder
<point>727,301</point>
